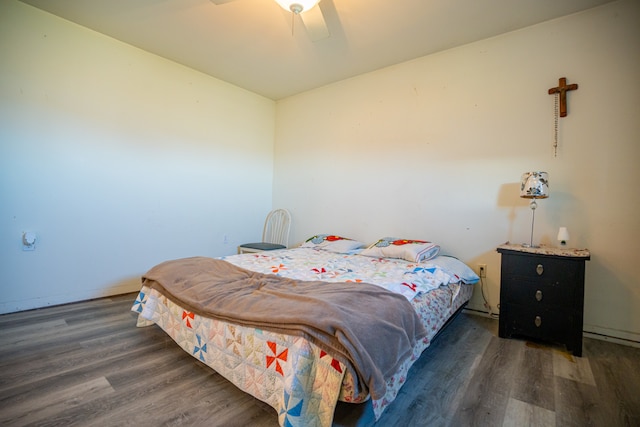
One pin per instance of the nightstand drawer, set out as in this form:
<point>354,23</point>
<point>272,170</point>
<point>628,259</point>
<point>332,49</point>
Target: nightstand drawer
<point>541,294</point>
<point>539,323</point>
<point>542,270</point>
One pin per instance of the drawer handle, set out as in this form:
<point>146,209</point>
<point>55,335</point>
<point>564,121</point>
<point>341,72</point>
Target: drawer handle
<point>539,269</point>
<point>538,321</point>
<point>539,295</point>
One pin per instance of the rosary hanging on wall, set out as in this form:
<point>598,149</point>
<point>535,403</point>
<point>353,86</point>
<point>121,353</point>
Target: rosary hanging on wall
<point>560,107</point>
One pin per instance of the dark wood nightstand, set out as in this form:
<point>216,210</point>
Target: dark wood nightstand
<point>542,294</point>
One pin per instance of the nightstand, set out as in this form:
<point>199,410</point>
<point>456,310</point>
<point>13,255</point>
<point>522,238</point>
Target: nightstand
<point>542,294</point>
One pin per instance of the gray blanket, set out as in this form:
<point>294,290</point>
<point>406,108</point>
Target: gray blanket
<point>363,325</point>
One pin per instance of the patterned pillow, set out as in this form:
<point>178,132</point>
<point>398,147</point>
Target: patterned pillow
<point>332,243</point>
<point>407,249</point>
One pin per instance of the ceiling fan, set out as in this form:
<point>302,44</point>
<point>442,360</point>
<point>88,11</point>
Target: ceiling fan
<point>309,12</point>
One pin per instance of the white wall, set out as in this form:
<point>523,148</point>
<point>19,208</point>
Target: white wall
<point>118,160</point>
<point>434,149</point>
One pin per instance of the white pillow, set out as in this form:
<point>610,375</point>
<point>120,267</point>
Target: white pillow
<point>332,243</point>
<point>407,249</point>
<point>455,267</point>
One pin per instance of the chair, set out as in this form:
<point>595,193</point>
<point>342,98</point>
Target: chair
<point>275,234</point>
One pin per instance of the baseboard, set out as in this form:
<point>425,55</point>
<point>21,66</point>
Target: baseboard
<point>619,337</point>
<point>481,313</point>
<point>76,296</point>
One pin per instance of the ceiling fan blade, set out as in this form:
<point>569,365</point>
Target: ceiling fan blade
<point>221,1</point>
<point>315,24</point>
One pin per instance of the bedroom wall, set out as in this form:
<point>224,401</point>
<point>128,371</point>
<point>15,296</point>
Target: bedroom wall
<point>117,159</point>
<point>434,149</point>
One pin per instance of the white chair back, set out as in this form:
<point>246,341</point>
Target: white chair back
<point>277,227</point>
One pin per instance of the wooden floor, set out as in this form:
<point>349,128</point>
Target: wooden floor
<point>87,364</point>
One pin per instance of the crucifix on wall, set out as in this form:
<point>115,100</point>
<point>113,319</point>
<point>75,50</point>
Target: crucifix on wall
<point>562,90</point>
<point>560,93</point>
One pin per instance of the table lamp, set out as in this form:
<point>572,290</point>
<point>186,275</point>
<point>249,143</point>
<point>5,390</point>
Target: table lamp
<point>534,185</point>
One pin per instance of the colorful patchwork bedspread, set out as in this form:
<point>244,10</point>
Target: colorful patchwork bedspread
<point>291,374</point>
<point>396,275</point>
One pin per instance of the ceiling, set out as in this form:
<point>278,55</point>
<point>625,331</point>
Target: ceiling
<point>251,43</point>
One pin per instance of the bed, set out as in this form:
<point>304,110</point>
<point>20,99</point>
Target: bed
<point>304,328</point>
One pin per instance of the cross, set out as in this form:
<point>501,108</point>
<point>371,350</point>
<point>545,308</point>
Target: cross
<point>562,89</point>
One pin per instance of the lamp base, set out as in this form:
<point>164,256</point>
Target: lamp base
<point>533,205</point>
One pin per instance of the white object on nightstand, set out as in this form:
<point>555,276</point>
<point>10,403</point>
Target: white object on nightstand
<point>563,236</point>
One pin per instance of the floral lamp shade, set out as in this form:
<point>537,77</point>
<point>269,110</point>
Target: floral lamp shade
<point>534,185</point>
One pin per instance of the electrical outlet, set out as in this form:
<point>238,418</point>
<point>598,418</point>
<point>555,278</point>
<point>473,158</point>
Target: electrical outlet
<point>482,270</point>
<point>28,241</point>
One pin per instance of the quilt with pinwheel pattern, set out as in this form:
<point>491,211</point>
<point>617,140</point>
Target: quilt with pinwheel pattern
<point>292,374</point>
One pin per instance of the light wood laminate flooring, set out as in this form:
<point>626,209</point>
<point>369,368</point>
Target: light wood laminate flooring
<point>87,364</point>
